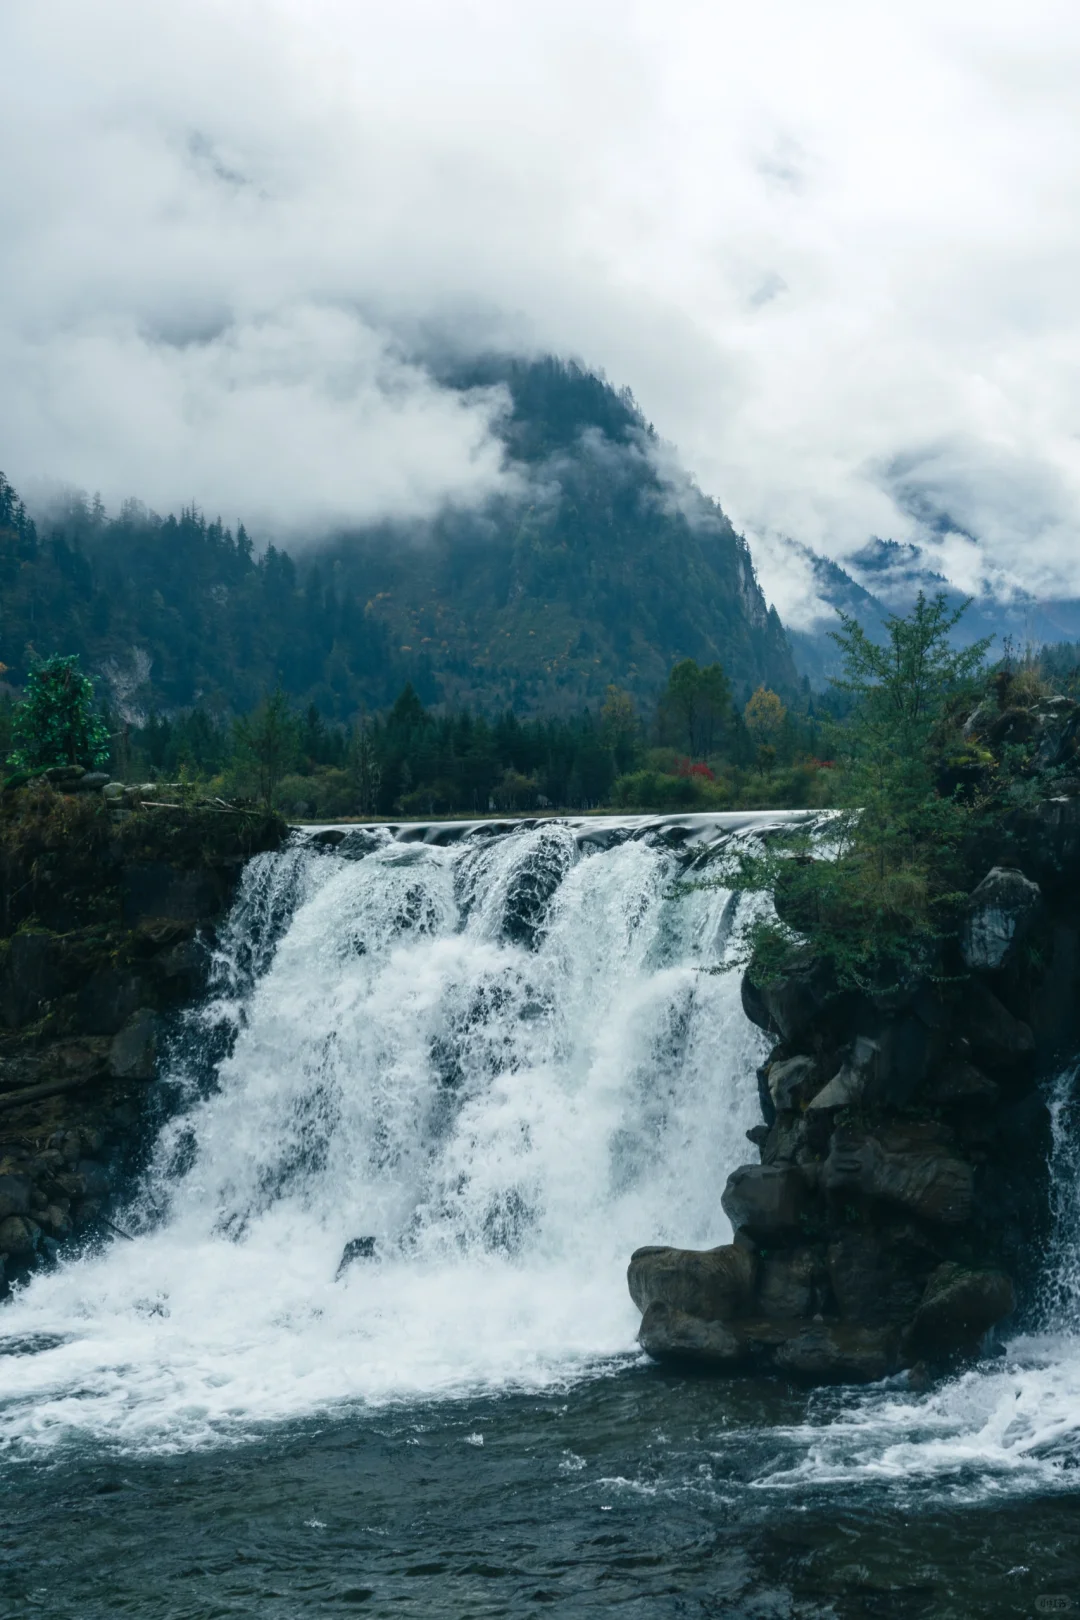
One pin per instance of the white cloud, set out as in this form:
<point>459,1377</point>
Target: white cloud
<point>833,249</point>
<point>305,416</point>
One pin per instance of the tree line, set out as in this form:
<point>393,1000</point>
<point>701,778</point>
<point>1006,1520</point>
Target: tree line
<point>697,748</point>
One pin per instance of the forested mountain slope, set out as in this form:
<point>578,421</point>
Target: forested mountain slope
<point>604,568</point>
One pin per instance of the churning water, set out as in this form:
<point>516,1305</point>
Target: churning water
<point>493,1066</point>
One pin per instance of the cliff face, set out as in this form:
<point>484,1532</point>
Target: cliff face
<point>900,1207</point>
<point>106,923</point>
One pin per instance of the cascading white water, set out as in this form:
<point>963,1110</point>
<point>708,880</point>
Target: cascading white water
<point>499,1060</point>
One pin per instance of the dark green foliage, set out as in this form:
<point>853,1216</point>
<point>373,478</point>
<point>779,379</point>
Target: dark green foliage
<point>695,708</point>
<point>268,741</point>
<point>189,603</point>
<point>878,911</point>
<point>56,723</point>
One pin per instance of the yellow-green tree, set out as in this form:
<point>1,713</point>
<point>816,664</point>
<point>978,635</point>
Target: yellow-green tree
<point>764,716</point>
<point>620,726</point>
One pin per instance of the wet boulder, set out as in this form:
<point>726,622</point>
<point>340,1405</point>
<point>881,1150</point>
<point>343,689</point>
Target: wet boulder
<point>793,1083</point>
<point>14,1196</point>
<point>133,1053</point>
<point>997,1040</point>
<point>796,999</point>
<point>713,1284</point>
<point>876,1277</point>
<point>790,1284</point>
<point>19,1237</point>
<point>958,1309</point>
<point>669,1334</point>
<point>885,1070</point>
<point>850,1081</point>
<point>361,1248</point>
<point>999,916</point>
<point>792,1002</point>
<point>753,1003</point>
<point>766,1201</point>
<point>840,1353</point>
<point>906,1168</point>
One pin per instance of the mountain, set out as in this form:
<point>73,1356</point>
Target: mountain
<point>885,576</point>
<point>816,654</point>
<point>607,567</point>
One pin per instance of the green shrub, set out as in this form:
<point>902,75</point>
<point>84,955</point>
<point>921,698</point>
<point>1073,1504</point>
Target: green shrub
<point>322,796</point>
<point>653,790</point>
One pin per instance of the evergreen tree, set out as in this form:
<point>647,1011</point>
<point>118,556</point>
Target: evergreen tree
<point>268,739</point>
<point>57,724</point>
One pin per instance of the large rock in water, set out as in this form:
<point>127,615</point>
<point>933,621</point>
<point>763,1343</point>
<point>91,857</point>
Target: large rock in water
<point>793,1082</point>
<point>836,1353</point>
<point>765,1201</point>
<point>712,1283</point>
<point>959,1308</point>
<point>998,918</point>
<point>133,1053</point>
<point>886,1071</point>
<point>670,1334</point>
<point>790,1004</point>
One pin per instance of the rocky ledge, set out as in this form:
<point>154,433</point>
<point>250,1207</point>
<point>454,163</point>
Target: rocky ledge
<point>107,907</point>
<point>899,1209</point>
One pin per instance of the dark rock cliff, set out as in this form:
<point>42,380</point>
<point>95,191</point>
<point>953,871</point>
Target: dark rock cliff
<point>899,1211</point>
<point>107,910</point>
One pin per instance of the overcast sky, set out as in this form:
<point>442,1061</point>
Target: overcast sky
<point>834,249</point>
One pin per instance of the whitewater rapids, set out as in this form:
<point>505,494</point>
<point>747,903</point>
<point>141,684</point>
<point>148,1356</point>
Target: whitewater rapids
<point>498,1059</point>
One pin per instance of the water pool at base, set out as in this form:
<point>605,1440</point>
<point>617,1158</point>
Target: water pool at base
<point>635,1494</point>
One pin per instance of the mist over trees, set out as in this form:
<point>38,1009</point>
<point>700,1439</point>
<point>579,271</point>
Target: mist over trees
<point>602,571</point>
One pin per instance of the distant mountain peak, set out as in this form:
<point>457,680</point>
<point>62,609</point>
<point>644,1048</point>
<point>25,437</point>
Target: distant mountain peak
<point>895,560</point>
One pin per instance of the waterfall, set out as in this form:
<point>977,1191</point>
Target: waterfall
<point>1062,1295</point>
<point>494,1059</point>
<point>486,1063</point>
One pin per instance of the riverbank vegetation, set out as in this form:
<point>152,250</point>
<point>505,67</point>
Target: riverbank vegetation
<point>940,760</point>
<point>888,739</point>
<point>695,749</point>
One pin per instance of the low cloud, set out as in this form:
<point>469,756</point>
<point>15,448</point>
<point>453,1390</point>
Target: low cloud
<point>300,420</point>
<point>832,249</point>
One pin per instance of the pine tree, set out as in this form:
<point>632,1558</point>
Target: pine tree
<point>56,724</point>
